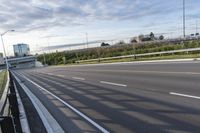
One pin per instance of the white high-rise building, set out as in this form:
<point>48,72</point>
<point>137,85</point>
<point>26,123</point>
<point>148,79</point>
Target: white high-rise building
<point>21,50</point>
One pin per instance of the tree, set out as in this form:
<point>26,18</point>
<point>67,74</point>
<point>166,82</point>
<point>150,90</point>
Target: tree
<point>152,36</point>
<point>141,36</point>
<point>161,37</point>
<point>121,42</point>
<point>133,40</point>
<point>104,44</point>
<point>144,38</point>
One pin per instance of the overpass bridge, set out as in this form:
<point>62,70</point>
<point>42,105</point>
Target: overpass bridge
<point>21,62</point>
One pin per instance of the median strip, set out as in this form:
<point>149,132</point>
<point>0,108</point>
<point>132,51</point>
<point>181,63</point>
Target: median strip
<point>184,95</point>
<point>110,83</point>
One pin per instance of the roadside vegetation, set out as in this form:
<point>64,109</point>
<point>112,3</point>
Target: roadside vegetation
<point>120,49</point>
<point>164,57</point>
<point>3,80</point>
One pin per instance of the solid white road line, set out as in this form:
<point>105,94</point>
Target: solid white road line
<point>48,120</point>
<point>61,75</point>
<point>78,78</point>
<point>184,95</point>
<point>110,83</point>
<point>50,74</point>
<point>69,106</point>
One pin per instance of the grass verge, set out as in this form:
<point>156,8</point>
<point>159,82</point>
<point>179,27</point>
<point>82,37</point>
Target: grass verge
<point>131,59</point>
<point>163,57</point>
<point>3,80</point>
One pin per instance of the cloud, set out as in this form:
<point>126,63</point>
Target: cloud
<point>27,15</point>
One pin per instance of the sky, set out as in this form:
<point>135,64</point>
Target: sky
<point>42,23</point>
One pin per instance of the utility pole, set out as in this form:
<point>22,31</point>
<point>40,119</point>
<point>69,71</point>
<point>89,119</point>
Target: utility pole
<point>184,18</point>
<point>196,26</point>
<point>48,44</point>
<point>44,58</point>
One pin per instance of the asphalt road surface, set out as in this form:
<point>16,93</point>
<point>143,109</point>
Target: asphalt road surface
<point>121,98</point>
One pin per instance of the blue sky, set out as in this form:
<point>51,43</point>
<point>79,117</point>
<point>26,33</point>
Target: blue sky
<point>55,22</point>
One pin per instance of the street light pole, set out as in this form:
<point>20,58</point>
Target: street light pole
<point>184,18</point>
<point>7,66</point>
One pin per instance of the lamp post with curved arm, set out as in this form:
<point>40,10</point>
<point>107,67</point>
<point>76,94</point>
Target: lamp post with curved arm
<point>7,67</point>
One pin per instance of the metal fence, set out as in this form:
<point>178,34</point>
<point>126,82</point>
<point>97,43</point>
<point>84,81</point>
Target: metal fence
<point>9,111</point>
<point>141,55</point>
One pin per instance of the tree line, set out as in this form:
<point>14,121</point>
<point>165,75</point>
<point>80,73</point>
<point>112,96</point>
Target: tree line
<point>68,57</point>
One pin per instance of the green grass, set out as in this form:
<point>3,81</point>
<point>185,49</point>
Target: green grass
<point>131,59</point>
<point>3,80</point>
<point>163,57</point>
<point>71,57</point>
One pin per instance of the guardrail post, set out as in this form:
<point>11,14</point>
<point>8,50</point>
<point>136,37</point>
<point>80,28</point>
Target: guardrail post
<point>15,111</point>
<point>135,57</point>
<point>7,125</point>
<point>14,106</point>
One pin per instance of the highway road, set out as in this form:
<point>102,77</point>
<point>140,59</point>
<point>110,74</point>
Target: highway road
<point>121,98</point>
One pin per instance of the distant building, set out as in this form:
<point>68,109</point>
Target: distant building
<point>1,59</point>
<point>21,50</point>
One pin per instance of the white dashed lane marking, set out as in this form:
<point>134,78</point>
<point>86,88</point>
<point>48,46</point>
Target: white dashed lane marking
<point>111,83</point>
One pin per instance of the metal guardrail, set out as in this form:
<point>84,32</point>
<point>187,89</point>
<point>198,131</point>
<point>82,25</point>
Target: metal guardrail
<point>7,125</point>
<point>9,111</point>
<point>141,55</point>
